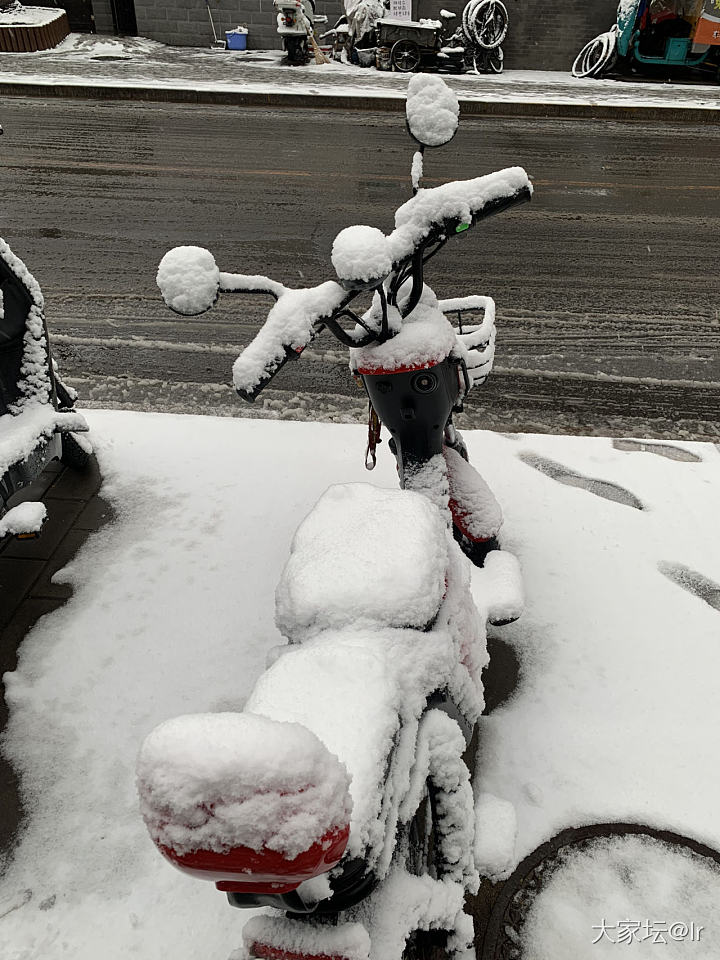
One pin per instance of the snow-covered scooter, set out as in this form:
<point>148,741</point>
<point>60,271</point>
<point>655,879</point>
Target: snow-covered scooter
<point>296,21</point>
<point>341,795</point>
<point>38,422</point>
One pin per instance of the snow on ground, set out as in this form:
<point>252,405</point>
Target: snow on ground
<point>615,718</point>
<point>21,16</point>
<point>82,60</point>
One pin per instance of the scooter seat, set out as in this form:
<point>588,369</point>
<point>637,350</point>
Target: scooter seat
<point>364,555</point>
<point>361,692</point>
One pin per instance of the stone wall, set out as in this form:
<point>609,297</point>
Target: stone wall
<point>544,34</point>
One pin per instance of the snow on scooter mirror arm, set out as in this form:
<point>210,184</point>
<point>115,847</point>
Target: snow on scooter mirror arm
<point>190,282</point>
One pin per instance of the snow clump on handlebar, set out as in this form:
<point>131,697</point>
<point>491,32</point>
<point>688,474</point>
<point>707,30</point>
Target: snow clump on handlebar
<point>361,253</point>
<point>432,110</point>
<point>189,279</point>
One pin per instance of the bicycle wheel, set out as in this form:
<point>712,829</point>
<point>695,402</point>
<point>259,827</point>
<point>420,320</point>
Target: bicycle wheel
<point>486,22</point>
<point>405,56</point>
<point>495,60</point>
<point>596,56</point>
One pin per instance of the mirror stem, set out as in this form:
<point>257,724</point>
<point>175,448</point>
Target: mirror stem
<point>416,170</point>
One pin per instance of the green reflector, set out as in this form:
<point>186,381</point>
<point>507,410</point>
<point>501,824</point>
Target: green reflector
<point>463,226</point>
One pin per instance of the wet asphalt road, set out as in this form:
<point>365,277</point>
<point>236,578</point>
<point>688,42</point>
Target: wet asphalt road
<point>607,285</point>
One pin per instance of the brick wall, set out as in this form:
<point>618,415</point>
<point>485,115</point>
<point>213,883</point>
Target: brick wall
<point>186,22</point>
<point>544,34</point>
<point>102,13</point>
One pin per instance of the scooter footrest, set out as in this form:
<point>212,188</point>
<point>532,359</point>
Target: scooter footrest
<point>278,938</point>
<point>502,585</point>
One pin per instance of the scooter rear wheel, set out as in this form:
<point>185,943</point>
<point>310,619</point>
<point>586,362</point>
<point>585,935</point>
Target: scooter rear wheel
<point>423,853</point>
<point>297,50</point>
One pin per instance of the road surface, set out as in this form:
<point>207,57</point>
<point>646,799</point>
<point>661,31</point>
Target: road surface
<point>607,284</point>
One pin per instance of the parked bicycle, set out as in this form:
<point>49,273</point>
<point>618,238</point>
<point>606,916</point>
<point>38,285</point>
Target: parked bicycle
<point>341,795</point>
<point>406,46</point>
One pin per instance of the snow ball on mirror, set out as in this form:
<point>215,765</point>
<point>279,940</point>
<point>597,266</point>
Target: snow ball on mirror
<point>361,253</point>
<point>432,110</point>
<point>188,278</point>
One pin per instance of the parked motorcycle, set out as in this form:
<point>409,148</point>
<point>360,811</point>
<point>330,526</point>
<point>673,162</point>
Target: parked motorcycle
<point>341,795</point>
<point>296,25</point>
<point>38,422</point>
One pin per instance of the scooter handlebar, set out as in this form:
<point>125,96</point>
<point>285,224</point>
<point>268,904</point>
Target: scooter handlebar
<point>454,207</point>
<point>292,324</point>
<point>299,314</point>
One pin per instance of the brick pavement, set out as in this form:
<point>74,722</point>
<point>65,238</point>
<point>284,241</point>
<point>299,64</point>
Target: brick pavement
<point>27,590</point>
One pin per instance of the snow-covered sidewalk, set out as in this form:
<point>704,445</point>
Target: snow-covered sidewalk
<point>616,716</point>
<point>97,62</point>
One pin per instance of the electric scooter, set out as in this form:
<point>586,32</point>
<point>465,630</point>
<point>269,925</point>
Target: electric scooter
<point>296,25</point>
<point>341,795</point>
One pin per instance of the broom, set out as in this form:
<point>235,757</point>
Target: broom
<point>219,44</point>
<point>319,55</point>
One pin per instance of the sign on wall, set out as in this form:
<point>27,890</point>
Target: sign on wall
<point>401,9</point>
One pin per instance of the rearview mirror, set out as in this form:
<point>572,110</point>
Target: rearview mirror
<point>189,280</point>
<point>432,110</point>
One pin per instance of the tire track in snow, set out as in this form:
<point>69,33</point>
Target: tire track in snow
<point>599,488</point>
<point>695,583</point>
<point>660,449</point>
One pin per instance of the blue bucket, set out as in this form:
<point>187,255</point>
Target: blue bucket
<point>236,39</point>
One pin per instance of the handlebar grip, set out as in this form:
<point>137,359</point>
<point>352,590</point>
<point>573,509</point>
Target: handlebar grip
<point>252,393</point>
<point>453,207</point>
<point>293,323</point>
<point>500,204</point>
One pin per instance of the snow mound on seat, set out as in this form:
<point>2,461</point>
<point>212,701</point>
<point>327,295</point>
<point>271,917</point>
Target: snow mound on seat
<point>362,692</point>
<point>363,555</point>
<point>218,781</point>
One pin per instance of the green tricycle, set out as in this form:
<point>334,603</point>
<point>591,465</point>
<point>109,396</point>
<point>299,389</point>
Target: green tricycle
<point>656,34</point>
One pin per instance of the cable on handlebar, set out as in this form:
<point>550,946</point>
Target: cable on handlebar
<point>347,339</point>
<point>417,282</point>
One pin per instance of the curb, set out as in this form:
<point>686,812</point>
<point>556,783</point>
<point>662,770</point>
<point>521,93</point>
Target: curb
<point>382,104</point>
